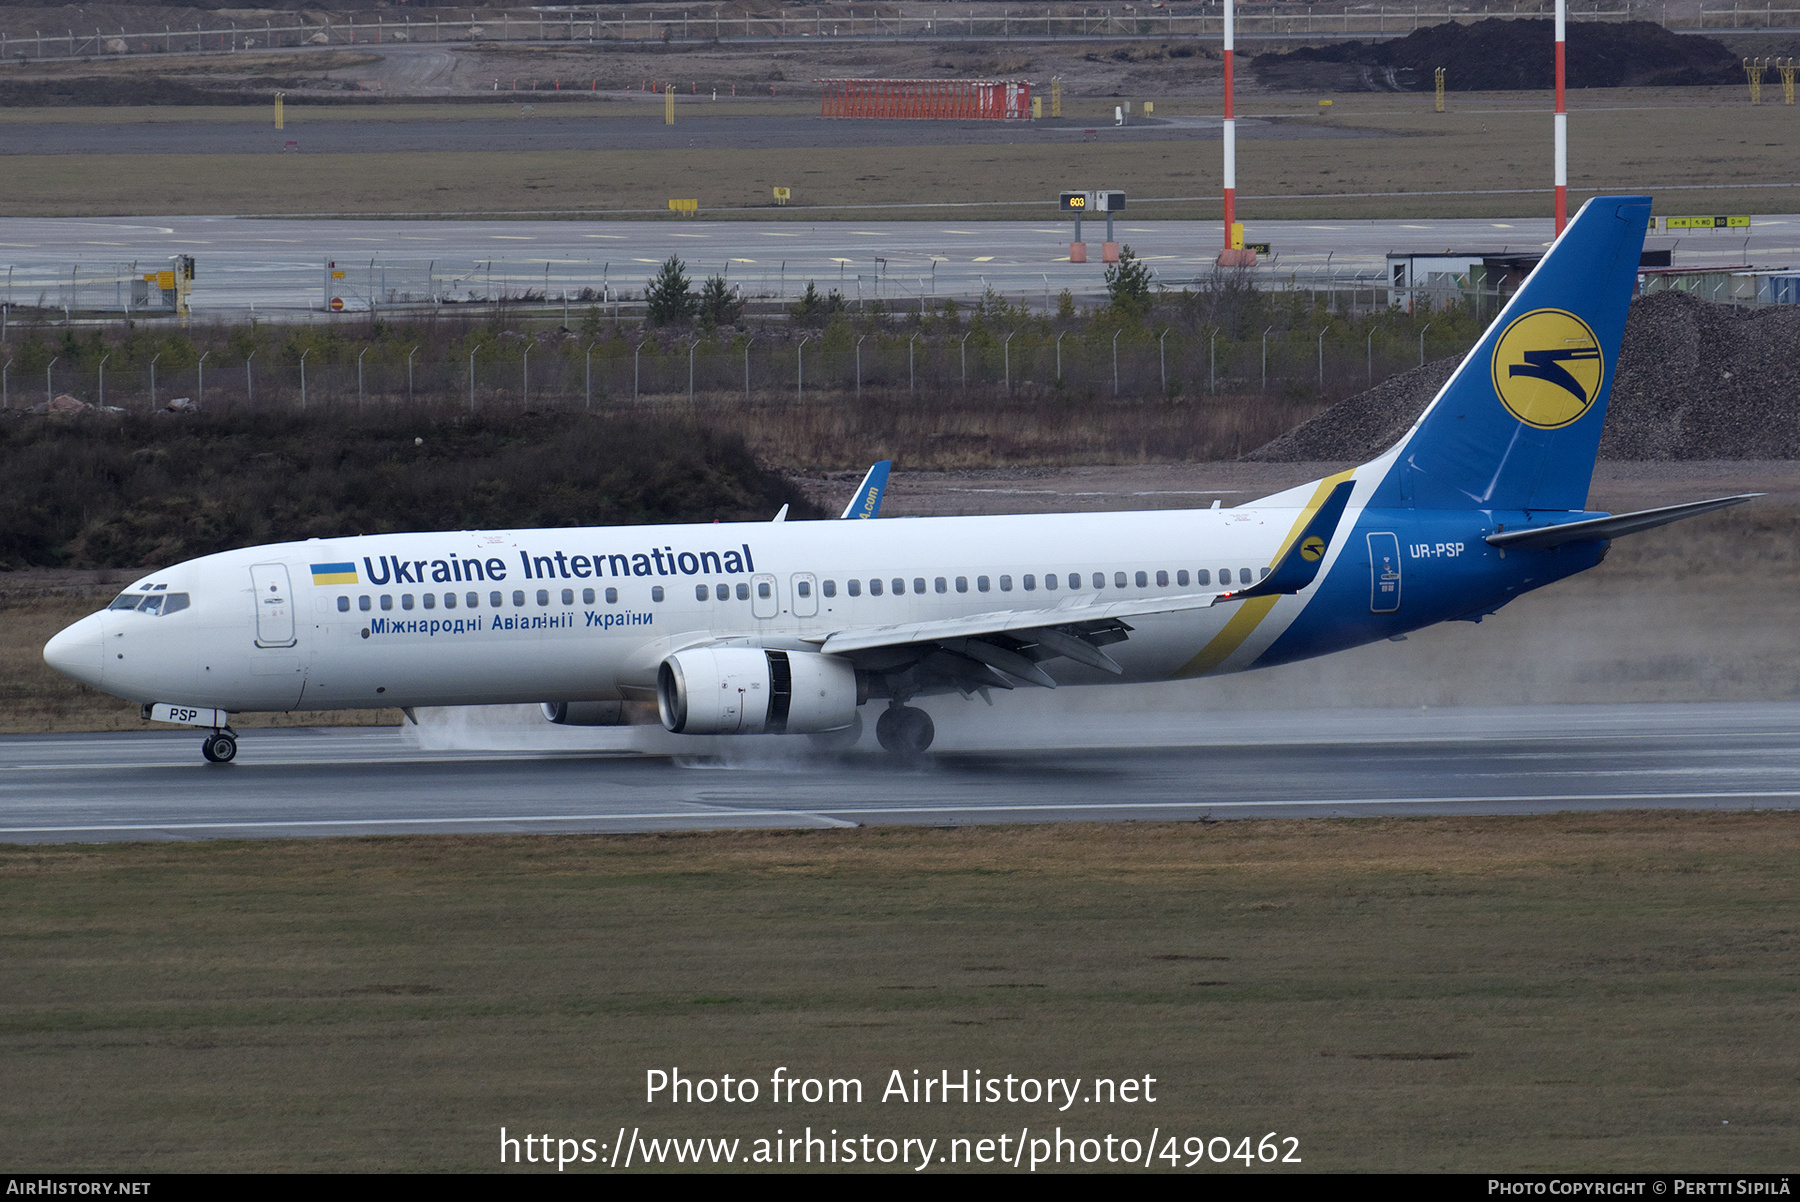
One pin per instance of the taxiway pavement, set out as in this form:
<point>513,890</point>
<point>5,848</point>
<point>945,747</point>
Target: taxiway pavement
<point>986,768</point>
<point>280,266</point>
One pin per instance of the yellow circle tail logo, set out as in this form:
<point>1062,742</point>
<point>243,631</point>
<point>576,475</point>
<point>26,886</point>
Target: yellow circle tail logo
<point>1548,368</point>
<point>1313,549</point>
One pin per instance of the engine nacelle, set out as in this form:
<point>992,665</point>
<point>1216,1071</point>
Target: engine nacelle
<point>589,713</point>
<point>748,691</point>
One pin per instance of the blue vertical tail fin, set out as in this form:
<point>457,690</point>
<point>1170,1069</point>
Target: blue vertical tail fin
<point>1518,424</point>
<point>867,501</point>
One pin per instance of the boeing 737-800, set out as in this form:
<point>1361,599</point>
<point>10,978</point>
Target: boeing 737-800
<point>793,627</point>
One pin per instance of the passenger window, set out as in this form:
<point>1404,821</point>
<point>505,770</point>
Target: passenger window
<point>179,601</point>
<point>1162,580</point>
<point>1099,580</point>
<point>1262,574</point>
<point>405,600</point>
<point>981,584</point>
<point>1006,584</point>
<point>803,588</point>
<point>496,599</point>
<point>918,584</point>
<point>362,603</point>
<point>762,589</point>
<point>519,597</point>
<point>700,592</point>
<point>343,605</point>
<point>543,597</point>
<point>962,584</point>
<point>1074,579</point>
<point>1203,576</point>
<point>612,596</point>
<point>1030,583</point>
<point>1243,575</point>
<point>1143,580</point>
<point>830,587</point>
<point>587,596</point>
<point>1181,578</point>
<point>1118,580</point>
<point>430,600</point>
<point>1049,579</point>
<point>900,587</point>
<point>656,592</point>
<point>449,600</point>
<point>387,601</point>
<point>855,587</point>
<point>743,591</point>
<point>721,592</point>
<point>875,587</point>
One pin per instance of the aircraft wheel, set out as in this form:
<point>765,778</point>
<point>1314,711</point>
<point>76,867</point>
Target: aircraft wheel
<point>840,740</point>
<point>220,747</point>
<point>904,730</point>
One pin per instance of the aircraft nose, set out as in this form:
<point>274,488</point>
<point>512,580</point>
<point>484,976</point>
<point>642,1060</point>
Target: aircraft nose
<point>77,652</point>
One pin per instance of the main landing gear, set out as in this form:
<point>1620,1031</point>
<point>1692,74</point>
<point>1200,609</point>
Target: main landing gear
<point>904,731</point>
<point>219,747</point>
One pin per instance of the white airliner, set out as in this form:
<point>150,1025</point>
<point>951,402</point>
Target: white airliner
<point>792,627</point>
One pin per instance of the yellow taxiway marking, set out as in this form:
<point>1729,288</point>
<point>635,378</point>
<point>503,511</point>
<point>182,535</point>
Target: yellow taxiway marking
<point>982,259</point>
<point>743,260</point>
<point>770,234</point>
<point>646,260</point>
<point>957,231</point>
<point>837,260</point>
<point>512,237</point>
<point>619,237</point>
<point>687,235</point>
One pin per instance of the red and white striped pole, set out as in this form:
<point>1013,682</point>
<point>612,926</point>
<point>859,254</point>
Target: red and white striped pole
<point>1231,135</point>
<point>1562,130</point>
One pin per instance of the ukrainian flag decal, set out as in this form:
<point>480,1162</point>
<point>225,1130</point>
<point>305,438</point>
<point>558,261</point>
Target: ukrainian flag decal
<point>334,573</point>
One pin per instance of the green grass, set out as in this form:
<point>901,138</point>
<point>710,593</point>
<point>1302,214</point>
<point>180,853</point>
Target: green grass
<point>1604,992</point>
<point>1697,138</point>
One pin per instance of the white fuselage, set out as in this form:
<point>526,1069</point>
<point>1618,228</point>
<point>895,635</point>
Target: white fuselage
<point>488,617</point>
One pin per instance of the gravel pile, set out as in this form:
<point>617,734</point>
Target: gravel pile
<point>1694,381</point>
<point>1498,55</point>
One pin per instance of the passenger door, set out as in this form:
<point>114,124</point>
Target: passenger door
<point>1384,573</point>
<point>274,605</point>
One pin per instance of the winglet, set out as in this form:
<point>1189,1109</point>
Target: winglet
<point>867,501</point>
<point>1300,565</point>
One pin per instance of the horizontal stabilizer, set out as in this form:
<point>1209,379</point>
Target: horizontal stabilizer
<point>1596,529</point>
<point>1300,565</point>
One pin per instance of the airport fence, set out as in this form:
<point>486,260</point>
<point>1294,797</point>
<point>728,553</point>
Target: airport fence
<point>804,369</point>
<point>622,25</point>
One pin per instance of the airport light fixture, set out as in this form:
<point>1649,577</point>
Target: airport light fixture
<point>1230,127</point>
<point>49,393</point>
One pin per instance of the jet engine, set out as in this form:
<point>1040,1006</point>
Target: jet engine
<point>748,691</point>
<point>591,713</point>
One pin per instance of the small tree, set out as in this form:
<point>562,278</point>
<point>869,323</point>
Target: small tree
<point>718,307</point>
<point>668,301</point>
<point>815,310</point>
<point>1128,284</point>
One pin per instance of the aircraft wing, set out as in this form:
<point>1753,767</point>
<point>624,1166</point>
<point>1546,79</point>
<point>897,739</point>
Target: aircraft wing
<point>996,648</point>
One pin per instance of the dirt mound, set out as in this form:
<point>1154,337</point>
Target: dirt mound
<point>1502,56</point>
<point>1694,381</point>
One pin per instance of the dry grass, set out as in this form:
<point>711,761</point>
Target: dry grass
<point>1607,992</point>
<point>1642,139</point>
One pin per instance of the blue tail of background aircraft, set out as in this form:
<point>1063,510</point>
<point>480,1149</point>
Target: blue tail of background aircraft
<point>1518,425</point>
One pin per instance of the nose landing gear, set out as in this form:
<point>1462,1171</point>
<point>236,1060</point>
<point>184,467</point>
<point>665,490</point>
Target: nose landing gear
<point>219,747</point>
<point>904,731</point>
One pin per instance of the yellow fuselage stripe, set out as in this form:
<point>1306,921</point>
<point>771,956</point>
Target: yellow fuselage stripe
<point>1251,613</point>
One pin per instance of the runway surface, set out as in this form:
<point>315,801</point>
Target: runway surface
<point>1147,767</point>
<point>280,265</point>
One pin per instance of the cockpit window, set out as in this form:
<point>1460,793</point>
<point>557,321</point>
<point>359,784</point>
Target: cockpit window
<point>155,604</point>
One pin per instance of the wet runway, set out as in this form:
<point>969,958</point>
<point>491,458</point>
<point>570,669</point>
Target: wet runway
<point>988,767</point>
